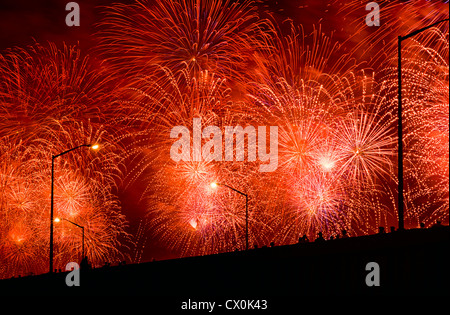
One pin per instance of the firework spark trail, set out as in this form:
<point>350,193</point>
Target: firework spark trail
<point>425,72</point>
<point>21,243</point>
<point>293,85</point>
<point>331,125</point>
<point>43,83</point>
<point>184,214</point>
<point>425,94</point>
<point>356,151</point>
<point>194,35</point>
<point>398,18</point>
<point>365,144</point>
<point>140,241</point>
<point>158,107</point>
<point>299,57</point>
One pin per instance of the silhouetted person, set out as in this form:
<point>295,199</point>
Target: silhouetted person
<point>380,230</point>
<point>344,234</point>
<point>272,244</point>
<point>392,229</point>
<point>319,237</point>
<point>437,224</point>
<point>331,237</point>
<point>85,264</point>
<point>303,239</point>
<point>422,225</point>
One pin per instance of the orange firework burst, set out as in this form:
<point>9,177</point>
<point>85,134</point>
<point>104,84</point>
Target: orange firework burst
<point>183,214</point>
<point>197,35</point>
<point>398,18</point>
<point>336,141</point>
<point>43,84</point>
<point>51,100</point>
<point>22,242</point>
<point>299,58</point>
<point>426,111</point>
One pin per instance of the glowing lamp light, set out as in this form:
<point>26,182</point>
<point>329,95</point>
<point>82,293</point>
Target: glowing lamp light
<point>213,185</point>
<point>95,147</point>
<point>57,220</point>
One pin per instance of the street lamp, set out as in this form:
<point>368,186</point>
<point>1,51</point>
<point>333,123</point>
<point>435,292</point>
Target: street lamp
<point>401,224</point>
<point>215,185</point>
<point>91,146</point>
<point>82,229</point>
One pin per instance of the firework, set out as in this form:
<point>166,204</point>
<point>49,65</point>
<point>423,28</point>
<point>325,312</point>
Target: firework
<point>81,196</point>
<point>337,142</point>
<point>425,105</point>
<point>184,213</point>
<point>94,208</point>
<point>51,100</point>
<point>299,58</point>
<point>365,143</point>
<point>195,35</point>
<point>42,84</point>
<point>140,241</point>
<point>21,243</point>
<point>398,18</point>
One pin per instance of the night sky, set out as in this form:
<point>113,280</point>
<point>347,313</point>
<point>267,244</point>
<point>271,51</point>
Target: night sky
<point>23,21</point>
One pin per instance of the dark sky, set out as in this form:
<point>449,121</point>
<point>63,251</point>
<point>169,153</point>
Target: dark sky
<point>23,21</point>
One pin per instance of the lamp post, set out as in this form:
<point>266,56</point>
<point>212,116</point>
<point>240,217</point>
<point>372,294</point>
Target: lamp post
<point>91,146</point>
<point>82,229</point>
<point>401,223</point>
<point>214,185</point>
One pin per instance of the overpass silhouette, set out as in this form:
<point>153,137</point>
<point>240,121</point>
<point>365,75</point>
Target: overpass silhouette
<point>414,261</point>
